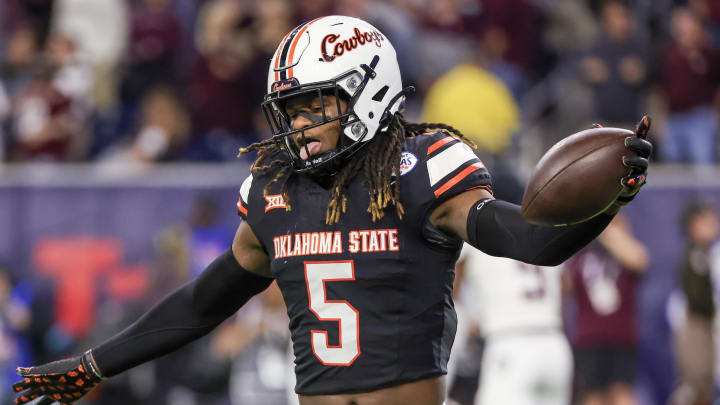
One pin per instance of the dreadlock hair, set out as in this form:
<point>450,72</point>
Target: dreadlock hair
<point>376,161</point>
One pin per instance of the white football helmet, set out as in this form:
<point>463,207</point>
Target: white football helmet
<point>341,56</point>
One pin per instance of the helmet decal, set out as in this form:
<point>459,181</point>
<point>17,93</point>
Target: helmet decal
<point>284,59</point>
<point>349,44</point>
<point>285,84</point>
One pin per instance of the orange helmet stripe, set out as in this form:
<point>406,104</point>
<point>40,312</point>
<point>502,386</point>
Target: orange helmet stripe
<point>279,52</point>
<point>295,42</point>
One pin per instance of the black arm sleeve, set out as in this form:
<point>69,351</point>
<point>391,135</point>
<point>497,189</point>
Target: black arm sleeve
<point>187,314</point>
<point>498,229</point>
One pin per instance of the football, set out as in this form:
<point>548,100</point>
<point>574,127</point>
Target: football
<point>577,178</point>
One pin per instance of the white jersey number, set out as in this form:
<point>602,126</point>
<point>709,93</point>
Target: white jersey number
<point>536,276</point>
<point>340,311</point>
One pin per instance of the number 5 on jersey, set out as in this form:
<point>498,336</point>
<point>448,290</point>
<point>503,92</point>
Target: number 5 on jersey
<point>340,311</point>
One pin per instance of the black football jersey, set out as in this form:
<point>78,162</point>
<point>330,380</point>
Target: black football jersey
<point>370,303</point>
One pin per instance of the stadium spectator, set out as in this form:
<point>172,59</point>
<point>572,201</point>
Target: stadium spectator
<point>604,278</point>
<point>19,58</point>
<point>224,88</point>
<point>161,136</point>
<point>155,36</point>
<point>45,125</point>
<point>570,26</point>
<point>517,307</point>
<point>521,22</point>
<point>73,76</point>
<point>690,77</point>
<point>477,103</point>
<point>100,31</point>
<point>493,45</point>
<point>694,344</point>
<point>617,67</point>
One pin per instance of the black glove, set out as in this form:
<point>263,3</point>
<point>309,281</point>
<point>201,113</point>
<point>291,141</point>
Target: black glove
<point>63,381</point>
<point>637,162</point>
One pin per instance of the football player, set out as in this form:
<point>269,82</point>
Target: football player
<point>517,306</point>
<point>359,216</point>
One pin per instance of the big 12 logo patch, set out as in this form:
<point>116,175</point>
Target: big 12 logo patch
<point>274,201</point>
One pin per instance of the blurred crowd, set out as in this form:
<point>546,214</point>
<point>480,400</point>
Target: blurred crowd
<point>144,81</point>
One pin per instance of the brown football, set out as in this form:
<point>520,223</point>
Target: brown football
<point>577,178</point>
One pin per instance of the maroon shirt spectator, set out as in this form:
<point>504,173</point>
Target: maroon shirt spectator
<point>155,36</point>
<point>521,21</point>
<point>690,79</point>
<point>605,296</point>
<point>604,279</point>
<point>690,69</point>
<point>225,93</point>
<point>155,33</point>
<point>517,19</point>
<point>229,78</point>
<point>44,126</point>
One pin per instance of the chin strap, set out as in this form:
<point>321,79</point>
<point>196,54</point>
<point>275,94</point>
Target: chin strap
<point>387,115</point>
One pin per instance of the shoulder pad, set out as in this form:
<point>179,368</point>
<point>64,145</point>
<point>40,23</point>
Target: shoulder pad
<point>450,165</point>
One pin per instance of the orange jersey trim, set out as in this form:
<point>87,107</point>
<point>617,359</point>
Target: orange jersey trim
<point>241,208</point>
<point>432,148</point>
<point>488,188</point>
<point>458,177</point>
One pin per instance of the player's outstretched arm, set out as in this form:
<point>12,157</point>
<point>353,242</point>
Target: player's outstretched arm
<point>180,318</point>
<point>499,229</point>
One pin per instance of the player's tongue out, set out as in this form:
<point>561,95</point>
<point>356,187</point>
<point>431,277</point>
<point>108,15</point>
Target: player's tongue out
<point>312,146</point>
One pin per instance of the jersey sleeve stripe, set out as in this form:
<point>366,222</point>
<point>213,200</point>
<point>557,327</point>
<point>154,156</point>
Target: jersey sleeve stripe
<point>435,146</point>
<point>458,177</point>
<point>241,208</point>
<point>448,161</point>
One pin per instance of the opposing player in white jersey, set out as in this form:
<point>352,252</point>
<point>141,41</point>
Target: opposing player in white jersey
<point>527,358</point>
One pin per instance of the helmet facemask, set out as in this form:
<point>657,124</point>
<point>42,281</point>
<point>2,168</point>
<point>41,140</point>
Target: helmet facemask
<point>328,162</point>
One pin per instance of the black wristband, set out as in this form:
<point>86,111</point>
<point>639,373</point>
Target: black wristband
<point>90,366</point>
